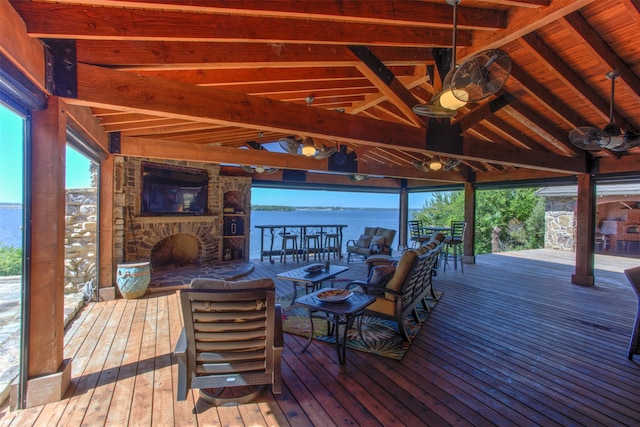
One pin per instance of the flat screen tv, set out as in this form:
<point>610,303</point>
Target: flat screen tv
<point>173,190</point>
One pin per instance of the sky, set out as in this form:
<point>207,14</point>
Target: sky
<point>298,198</point>
<point>78,176</point>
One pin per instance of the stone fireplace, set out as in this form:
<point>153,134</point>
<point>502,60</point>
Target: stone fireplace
<point>164,240</point>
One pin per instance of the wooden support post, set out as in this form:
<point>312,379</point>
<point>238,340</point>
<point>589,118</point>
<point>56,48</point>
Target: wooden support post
<point>585,231</point>
<point>470,218</point>
<point>404,214</point>
<point>106,278</point>
<point>48,372</point>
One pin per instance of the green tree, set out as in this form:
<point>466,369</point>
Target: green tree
<point>10,261</point>
<point>517,214</point>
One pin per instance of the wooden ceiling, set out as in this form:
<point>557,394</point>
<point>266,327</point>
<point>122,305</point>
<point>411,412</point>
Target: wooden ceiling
<point>199,79</point>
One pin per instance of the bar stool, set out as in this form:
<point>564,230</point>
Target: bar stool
<point>454,243</point>
<point>332,244</point>
<point>286,238</point>
<point>312,244</point>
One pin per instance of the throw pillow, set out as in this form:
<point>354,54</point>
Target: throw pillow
<point>377,243</point>
<point>380,275</point>
<point>364,241</point>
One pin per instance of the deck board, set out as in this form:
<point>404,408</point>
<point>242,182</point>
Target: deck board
<point>512,341</point>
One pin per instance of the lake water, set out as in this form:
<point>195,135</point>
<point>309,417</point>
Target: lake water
<point>355,220</point>
<point>11,226</point>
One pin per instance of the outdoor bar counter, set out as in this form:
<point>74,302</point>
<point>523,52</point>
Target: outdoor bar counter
<point>301,230</point>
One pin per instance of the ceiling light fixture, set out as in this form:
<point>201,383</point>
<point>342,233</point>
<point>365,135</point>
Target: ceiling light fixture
<point>477,78</point>
<point>308,148</point>
<point>435,164</point>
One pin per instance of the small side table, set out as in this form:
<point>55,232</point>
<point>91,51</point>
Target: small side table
<point>338,314</point>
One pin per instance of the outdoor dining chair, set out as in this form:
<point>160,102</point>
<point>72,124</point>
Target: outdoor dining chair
<point>232,337</point>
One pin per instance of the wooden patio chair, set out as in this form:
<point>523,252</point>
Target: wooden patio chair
<point>232,337</point>
<point>633,274</point>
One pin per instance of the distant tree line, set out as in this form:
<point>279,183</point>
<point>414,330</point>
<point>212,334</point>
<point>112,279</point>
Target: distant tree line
<point>272,208</point>
<point>506,220</point>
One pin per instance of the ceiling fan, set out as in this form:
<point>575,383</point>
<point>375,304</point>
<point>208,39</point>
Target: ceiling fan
<point>259,169</point>
<point>305,147</point>
<point>436,164</point>
<point>611,136</point>
<point>477,78</point>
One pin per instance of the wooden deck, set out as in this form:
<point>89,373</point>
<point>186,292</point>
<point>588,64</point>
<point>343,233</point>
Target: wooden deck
<point>511,342</point>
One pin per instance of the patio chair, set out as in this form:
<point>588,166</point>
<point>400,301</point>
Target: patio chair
<point>410,284</point>
<point>232,337</point>
<point>374,240</point>
<point>633,274</point>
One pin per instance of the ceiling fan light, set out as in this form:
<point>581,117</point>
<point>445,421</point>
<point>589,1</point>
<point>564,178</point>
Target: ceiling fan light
<point>308,149</point>
<point>435,165</point>
<point>259,169</point>
<point>453,101</point>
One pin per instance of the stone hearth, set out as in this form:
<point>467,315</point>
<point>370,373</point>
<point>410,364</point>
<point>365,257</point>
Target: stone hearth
<point>170,279</point>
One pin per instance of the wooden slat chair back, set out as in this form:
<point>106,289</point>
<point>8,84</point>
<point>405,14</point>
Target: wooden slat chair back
<point>633,274</point>
<point>231,338</point>
<point>410,285</point>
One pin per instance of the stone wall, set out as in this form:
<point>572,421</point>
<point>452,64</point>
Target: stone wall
<point>560,223</point>
<point>80,238</point>
<point>135,236</point>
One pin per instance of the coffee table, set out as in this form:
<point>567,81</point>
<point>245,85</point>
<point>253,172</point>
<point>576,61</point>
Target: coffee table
<point>310,281</point>
<point>342,313</point>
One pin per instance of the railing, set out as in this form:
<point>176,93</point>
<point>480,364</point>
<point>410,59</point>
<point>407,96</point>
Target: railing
<point>302,232</point>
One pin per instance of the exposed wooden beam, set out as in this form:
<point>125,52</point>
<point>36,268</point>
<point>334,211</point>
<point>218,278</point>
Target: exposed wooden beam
<point>175,55</point>
<point>162,149</point>
<point>521,3</point>
<point>23,51</point>
<point>80,22</point>
<point>483,111</point>
<point>544,96</point>
<point>544,128</point>
<point>522,21</point>
<point>512,134</point>
<point>107,88</point>
<point>599,48</point>
<point>561,70</point>
<point>394,12</point>
<point>510,155</point>
<point>372,68</point>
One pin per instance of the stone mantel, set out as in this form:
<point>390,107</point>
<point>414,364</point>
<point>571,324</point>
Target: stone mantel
<point>175,219</point>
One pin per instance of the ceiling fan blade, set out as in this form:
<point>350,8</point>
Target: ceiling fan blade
<point>433,111</point>
<point>589,138</point>
<point>482,75</point>
<point>421,166</point>
<point>270,171</point>
<point>324,152</point>
<point>289,145</point>
<point>629,141</point>
<point>247,169</point>
<point>451,164</point>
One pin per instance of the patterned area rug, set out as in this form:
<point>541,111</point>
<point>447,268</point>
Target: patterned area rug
<point>382,336</point>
